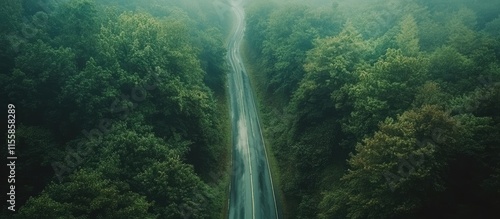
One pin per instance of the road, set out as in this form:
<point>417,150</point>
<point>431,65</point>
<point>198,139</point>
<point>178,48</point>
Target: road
<point>252,193</point>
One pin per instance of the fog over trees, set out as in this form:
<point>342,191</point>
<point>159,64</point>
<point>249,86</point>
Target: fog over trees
<point>381,109</point>
<point>121,108</point>
<point>370,108</point>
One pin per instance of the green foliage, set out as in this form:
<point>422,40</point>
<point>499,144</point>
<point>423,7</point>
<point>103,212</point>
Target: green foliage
<point>385,89</point>
<point>257,19</point>
<point>36,81</point>
<point>130,96</point>
<point>387,83</point>
<point>289,36</point>
<point>431,94</point>
<point>432,33</point>
<point>75,24</point>
<point>90,91</point>
<point>462,37</point>
<point>176,189</point>
<point>282,38</point>
<point>493,27</point>
<point>407,39</point>
<point>126,150</point>
<point>213,59</point>
<point>153,168</point>
<point>383,174</point>
<point>330,69</point>
<point>87,195</point>
<point>10,11</point>
<point>376,18</point>
<point>409,88</point>
<point>450,67</point>
<point>39,149</point>
<point>138,42</point>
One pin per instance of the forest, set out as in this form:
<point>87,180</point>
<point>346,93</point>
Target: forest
<point>380,109</point>
<point>121,109</point>
<point>370,108</point>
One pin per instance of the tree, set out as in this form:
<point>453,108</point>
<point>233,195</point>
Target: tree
<point>131,154</point>
<point>398,170</point>
<point>10,11</point>
<point>330,68</point>
<point>462,35</point>
<point>97,76</point>
<point>288,36</point>
<point>75,24</point>
<point>212,57</point>
<point>407,39</point>
<point>154,58</point>
<point>431,94</point>
<point>128,146</point>
<point>493,27</point>
<point>175,189</point>
<point>90,93</point>
<point>312,134</point>
<point>87,195</point>
<point>282,38</point>
<point>451,69</point>
<point>256,23</point>
<point>37,80</point>
<point>385,89</point>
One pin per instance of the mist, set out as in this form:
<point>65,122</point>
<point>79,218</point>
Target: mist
<point>250,108</point>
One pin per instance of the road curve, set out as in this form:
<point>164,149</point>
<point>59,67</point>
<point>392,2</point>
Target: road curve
<point>252,193</point>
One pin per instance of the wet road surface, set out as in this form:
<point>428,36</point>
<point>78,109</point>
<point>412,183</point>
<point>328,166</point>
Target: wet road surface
<point>252,193</point>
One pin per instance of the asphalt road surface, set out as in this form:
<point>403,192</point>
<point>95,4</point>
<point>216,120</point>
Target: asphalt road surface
<point>252,194</point>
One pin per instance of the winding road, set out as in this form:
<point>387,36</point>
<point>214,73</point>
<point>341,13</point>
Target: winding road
<point>252,193</point>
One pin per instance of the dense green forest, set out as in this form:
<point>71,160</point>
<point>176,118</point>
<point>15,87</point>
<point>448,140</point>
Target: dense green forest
<point>381,109</point>
<point>121,108</point>
<point>371,108</point>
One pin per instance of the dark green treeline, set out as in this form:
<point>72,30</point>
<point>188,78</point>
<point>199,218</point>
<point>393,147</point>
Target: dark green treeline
<point>120,108</point>
<point>381,109</point>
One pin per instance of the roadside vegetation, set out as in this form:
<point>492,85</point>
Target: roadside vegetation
<point>381,109</point>
<point>121,108</point>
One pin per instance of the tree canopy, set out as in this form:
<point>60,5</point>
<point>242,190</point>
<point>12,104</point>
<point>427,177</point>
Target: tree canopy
<point>121,108</point>
<point>391,111</point>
